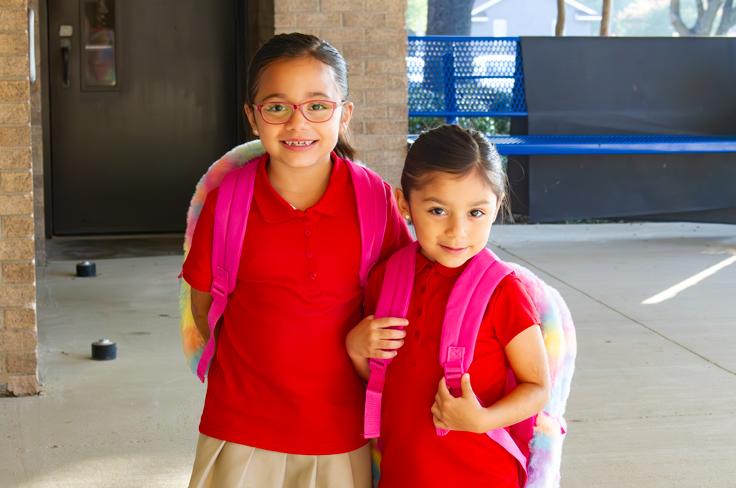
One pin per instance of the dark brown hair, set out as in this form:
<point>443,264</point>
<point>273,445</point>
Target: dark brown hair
<point>457,151</point>
<point>297,45</point>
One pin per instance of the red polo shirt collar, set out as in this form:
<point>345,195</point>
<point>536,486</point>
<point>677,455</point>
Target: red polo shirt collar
<point>275,209</point>
<point>424,264</point>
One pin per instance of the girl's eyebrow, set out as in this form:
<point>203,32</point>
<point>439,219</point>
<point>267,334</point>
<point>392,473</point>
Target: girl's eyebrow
<point>309,95</point>
<point>434,200</point>
<point>273,95</point>
<point>479,203</point>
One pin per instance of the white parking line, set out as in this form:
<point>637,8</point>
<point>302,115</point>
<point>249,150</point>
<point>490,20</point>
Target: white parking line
<point>693,280</point>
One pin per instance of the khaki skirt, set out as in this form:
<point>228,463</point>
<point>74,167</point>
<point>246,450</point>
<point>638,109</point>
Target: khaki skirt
<point>222,464</point>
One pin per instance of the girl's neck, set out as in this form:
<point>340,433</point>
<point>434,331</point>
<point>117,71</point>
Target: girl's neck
<point>301,187</point>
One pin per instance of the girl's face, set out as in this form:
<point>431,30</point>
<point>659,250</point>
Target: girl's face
<point>452,216</point>
<point>299,143</point>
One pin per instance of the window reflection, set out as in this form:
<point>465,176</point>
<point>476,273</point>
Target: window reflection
<point>99,43</point>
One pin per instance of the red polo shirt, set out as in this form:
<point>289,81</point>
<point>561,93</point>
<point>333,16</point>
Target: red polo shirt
<point>281,378</point>
<point>413,455</point>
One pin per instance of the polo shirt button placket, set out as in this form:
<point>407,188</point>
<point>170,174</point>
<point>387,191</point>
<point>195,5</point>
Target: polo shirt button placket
<point>312,273</point>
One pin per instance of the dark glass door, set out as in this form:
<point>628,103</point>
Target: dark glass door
<point>143,98</point>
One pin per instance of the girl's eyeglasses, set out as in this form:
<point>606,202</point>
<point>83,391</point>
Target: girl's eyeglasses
<point>312,110</point>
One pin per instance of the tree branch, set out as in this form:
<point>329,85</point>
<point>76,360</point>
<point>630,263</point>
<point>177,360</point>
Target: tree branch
<point>560,25</point>
<point>728,18</point>
<point>605,18</point>
<point>676,20</point>
<point>704,24</point>
<point>701,8</point>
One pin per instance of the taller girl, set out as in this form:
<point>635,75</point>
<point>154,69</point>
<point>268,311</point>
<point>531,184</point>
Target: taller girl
<point>284,405</point>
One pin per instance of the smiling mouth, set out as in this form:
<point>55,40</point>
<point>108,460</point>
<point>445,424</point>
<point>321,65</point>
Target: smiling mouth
<point>298,143</point>
<point>454,250</point>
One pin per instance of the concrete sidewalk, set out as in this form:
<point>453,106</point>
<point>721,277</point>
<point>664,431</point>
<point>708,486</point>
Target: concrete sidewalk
<point>653,401</point>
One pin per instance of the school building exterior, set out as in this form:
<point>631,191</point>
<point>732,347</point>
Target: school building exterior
<point>370,33</point>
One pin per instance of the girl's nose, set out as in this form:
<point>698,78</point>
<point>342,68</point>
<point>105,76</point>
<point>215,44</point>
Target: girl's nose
<point>296,120</point>
<point>456,226</point>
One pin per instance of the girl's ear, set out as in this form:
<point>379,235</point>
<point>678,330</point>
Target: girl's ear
<point>347,114</point>
<point>248,110</point>
<point>403,204</point>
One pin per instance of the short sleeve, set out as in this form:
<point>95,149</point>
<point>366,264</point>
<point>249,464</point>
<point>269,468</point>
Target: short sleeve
<point>197,270</point>
<point>511,310</point>
<point>397,233</point>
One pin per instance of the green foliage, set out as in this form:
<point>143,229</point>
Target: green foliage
<point>486,125</point>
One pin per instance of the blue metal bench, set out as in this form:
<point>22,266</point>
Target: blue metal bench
<point>608,144</point>
<point>453,77</point>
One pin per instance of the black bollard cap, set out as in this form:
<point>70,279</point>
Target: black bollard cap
<point>104,350</point>
<point>86,269</point>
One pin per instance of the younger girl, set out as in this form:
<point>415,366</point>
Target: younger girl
<point>283,404</point>
<point>453,186</point>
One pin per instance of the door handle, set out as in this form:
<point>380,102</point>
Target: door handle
<point>65,49</point>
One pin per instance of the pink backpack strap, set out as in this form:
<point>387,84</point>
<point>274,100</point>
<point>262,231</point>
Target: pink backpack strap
<point>393,301</point>
<point>231,216</point>
<point>469,300</point>
<point>372,204</point>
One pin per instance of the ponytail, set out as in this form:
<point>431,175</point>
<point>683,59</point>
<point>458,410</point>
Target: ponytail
<point>343,147</point>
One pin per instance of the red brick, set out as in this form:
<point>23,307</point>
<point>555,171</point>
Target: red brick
<point>16,182</point>
<point>16,204</point>
<point>363,20</point>
<point>15,157</point>
<point>15,114</point>
<point>288,6</point>
<point>15,226</point>
<point>12,19</point>
<point>18,318</point>
<point>14,3</point>
<point>18,273</point>
<point>340,5</point>
<point>18,340</point>
<point>21,364</point>
<point>13,44</point>
<point>15,136</point>
<point>14,67</point>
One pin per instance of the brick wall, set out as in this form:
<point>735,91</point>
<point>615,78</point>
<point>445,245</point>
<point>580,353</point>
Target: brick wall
<point>18,336</point>
<point>371,34</point>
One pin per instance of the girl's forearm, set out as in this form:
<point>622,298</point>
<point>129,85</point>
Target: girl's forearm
<point>524,401</point>
<point>361,367</point>
<point>202,325</point>
<point>201,302</point>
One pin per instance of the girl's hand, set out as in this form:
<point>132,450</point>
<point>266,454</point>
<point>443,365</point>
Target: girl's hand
<point>376,338</point>
<point>464,413</point>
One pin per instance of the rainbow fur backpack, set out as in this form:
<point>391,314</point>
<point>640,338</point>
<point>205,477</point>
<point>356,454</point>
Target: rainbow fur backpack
<point>236,170</point>
<point>544,433</point>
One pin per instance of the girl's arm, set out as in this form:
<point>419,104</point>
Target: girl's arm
<point>528,359</point>
<point>201,301</point>
<point>374,338</point>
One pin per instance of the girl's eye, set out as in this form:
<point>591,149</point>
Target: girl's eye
<point>437,211</point>
<point>275,107</point>
<point>476,212</point>
<point>317,106</point>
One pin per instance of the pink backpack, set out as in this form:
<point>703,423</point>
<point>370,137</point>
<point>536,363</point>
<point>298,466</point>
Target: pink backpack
<point>544,433</point>
<point>235,177</point>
